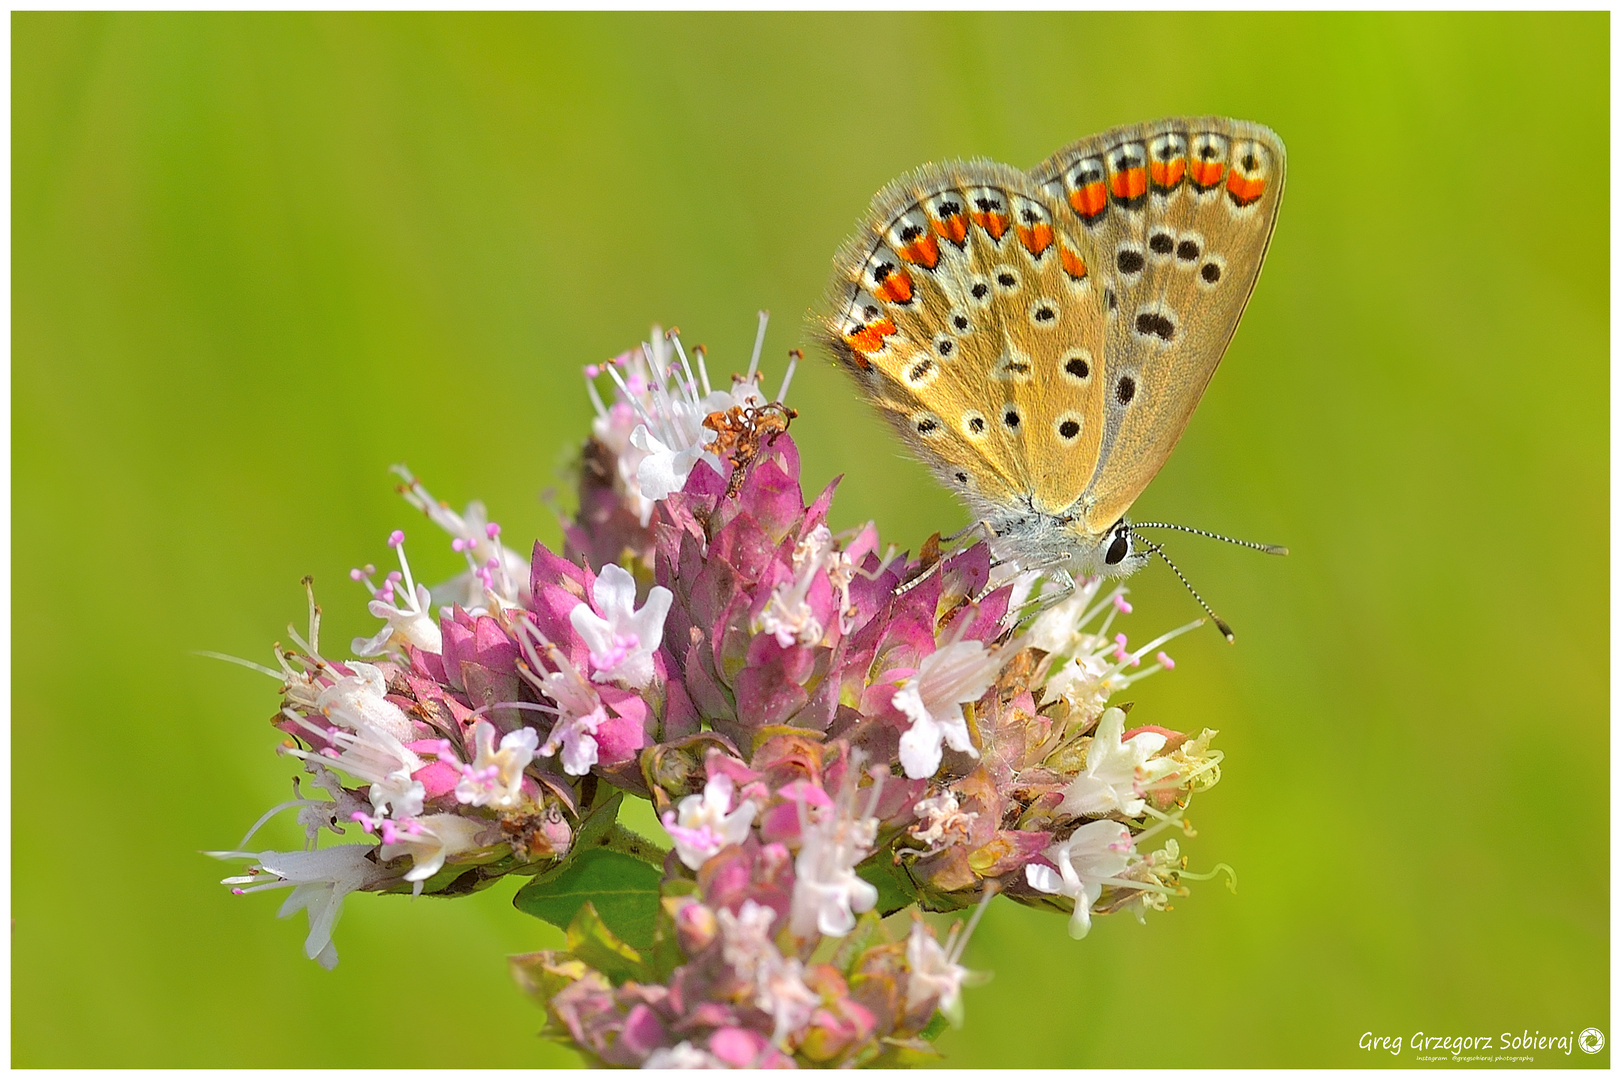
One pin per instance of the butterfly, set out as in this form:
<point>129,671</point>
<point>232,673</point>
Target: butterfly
<point>1041,338</point>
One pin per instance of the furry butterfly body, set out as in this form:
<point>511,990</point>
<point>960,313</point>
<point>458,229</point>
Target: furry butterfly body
<point>1041,338</point>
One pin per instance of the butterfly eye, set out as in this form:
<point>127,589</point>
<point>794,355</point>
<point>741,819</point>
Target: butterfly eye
<point>1119,549</point>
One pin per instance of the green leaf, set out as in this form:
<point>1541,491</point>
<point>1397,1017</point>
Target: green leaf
<point>598,819</point>
<point>937,1023</point>
<point>591,942</point>
<point>869,931</point>
<point>623,890</point>
<point>894,884</point>
<point>667,954</point>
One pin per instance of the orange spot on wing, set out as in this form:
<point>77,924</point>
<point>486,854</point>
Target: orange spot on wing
<point>993,223</point>
<point>1167,174</point>
<point>1037,238</point>
<point>870,338</point>
<point>896,288</point>
<point>925,251</point>
<point>953,228</point>
<point>1090,201</point>
<point>1129,183</point>
<point>1206,174</point>
<point>1244,191</point>
<point>1073,264</point>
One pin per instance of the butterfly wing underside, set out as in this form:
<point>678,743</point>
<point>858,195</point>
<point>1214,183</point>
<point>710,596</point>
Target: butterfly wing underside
<point>967,313</point>
<point>1176,216</point>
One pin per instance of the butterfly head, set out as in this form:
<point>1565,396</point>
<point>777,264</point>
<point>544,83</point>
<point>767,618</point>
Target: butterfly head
<point>1121,554</point>
<point>1117,552</point>
<point>1041,540</point>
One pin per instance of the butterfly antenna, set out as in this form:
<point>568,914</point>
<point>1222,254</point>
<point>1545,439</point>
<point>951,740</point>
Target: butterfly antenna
<point>1270,549</point>
<point>1221,624</point>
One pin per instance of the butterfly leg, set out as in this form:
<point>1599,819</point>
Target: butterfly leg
<point>931,555</point>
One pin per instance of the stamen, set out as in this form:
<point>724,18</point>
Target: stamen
<point>596,398</point>
<point>703,369</point>
<point>634,399</point>
<point>759,342</point>
<point>272,812</point>
<point>272,672</point>
<point>1219,868</point>
<point>690,386</point>
<point>955,945</point>
<point>794,356</point>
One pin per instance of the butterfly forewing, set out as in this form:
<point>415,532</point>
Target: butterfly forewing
<point>967,310</point>
<point>1176,217</point>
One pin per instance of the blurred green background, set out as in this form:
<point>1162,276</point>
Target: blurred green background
<point>258,258</point>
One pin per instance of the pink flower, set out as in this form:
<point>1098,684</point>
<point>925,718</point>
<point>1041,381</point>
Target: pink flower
<point>621,639</point>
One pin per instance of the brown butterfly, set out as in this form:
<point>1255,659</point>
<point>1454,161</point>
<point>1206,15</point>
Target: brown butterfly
<point>1041,339</point>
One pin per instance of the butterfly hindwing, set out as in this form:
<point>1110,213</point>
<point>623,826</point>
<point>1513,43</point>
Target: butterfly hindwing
<point>1177,214</point>
<point>965,309</point>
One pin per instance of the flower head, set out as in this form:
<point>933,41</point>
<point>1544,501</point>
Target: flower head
<point>771,660</point>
